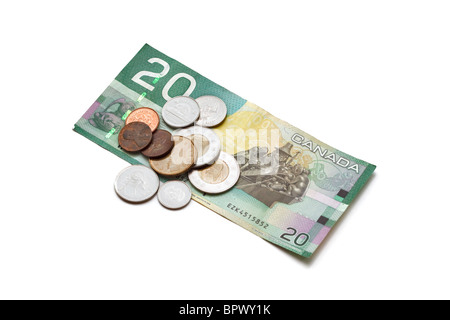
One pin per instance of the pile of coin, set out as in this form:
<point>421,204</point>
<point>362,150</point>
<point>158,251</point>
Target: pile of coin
<point>192,148</point>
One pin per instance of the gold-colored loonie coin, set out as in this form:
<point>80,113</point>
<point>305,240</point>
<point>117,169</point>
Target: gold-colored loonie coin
<point>182,158</point>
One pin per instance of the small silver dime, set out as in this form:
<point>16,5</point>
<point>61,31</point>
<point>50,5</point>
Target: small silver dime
<point>205,140</point>
<point>174,194</point>
<point>136,184</point>
<point>180,112</point>
<point>219,177</point>
<point>212,111</point>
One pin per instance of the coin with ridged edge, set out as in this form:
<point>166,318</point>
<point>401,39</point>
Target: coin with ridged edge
<point>135,137</point>
<point>213,111</point>
<point>218,178</point>
<point>180,112</point>
<point>136,184</point>
<point>205,140</point>
<point>180,159</point>
<point>174,195</point>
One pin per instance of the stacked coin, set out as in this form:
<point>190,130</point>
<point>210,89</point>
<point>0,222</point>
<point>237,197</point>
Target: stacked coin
<point>161,144</point>
<point>137,184</point>
<point>206,142</point>
<point>195,150</point>
<point>135,136</point>
<point>181,112</point>
<point>145,115</point>
<point>214,171</point>
<point>213,111</point>
<point>182,158</point>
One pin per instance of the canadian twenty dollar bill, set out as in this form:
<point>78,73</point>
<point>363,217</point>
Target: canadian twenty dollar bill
<point>293,188</point>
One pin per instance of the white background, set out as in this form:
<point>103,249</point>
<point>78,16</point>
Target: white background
<point>368,77</point>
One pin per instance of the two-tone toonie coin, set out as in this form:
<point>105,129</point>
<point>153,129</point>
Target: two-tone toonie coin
<point>219,177</point>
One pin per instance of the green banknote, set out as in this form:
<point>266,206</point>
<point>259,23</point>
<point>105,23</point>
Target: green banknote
<point>293,188</point>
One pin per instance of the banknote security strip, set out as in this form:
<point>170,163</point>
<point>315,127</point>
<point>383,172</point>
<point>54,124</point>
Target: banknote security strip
<point>142,96</point>
<point>293,188</point>
<point>110,133</point>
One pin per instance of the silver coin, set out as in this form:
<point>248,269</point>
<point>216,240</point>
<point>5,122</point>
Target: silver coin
<point>205,141</point>
<point>180,112</point>
<point>174,194</point>
<point>136,184</point>
<point>219,177</point>
<point>212,111</point>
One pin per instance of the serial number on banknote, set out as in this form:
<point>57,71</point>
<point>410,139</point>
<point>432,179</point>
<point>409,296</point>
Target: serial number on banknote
<point>250,217</point>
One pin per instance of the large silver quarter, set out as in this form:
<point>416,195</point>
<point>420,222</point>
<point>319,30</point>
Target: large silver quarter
<point>219,177</point>
<point>180,112</point>
<point>205,141</point>
<point>174,194</point>
<point>136,184</point>
<point>212,111</point>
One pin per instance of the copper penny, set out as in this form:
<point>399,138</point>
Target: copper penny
<point>145,115</point>
<point>135,136</point>
<point>179,160</point>
<point>161,144</point>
